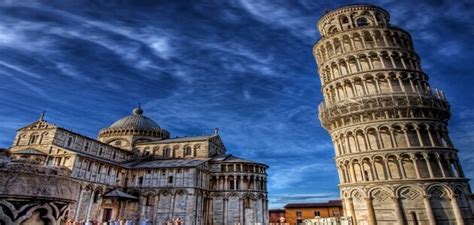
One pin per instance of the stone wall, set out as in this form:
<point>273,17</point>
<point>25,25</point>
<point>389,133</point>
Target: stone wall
<point>33,194</point>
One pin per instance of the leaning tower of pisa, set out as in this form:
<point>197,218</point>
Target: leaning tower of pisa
<point>395,160</point>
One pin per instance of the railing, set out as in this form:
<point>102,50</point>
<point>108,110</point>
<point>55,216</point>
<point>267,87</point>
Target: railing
<point>435,99</point>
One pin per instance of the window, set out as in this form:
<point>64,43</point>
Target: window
<point>188,151</point>
<point>316,213</point>
<point>69,141</point>
<point>299,214</point>
<point>96,196</point>
<point>344,19</point>
<point>140,181</point>
<point>170,179</point>
<point>362,22</point>
<point>33,139</point>
<point>100,151</point>
<point>86,147</point>
<point>247,203</point>
<point>114,155</point>
<point>166,152</point>
<point>332,30</point>
<point>231,184</point>
<point>118,143</point>
<point>149,200</point>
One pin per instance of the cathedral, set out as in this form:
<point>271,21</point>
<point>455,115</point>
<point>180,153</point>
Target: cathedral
<point>133,171</point>
<point>395,160</point>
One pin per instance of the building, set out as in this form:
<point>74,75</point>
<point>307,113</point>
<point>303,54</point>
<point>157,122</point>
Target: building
<point>134,170</point>
<point>295,213</point>
<point>276,215</point>
<point>395,160</point>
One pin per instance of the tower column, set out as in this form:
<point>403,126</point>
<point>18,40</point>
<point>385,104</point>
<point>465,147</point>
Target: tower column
<point>457,210</point>
<point>370,211</point>
<point>352,210</point>
<point>429,210</point>
<point>398,211</point>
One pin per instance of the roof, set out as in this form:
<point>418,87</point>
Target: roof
<point>182,139</point>
<point>136,121</point>
<point>118,194</point>
<point>166,163</point>
<point>276,210</point>
<point>331,203</point>
<point>229,158</point>
<point>29,151</point>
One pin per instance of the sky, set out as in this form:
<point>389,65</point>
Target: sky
<point>244,66</point>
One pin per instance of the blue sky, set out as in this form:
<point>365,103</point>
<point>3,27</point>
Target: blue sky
<point>244,66</point>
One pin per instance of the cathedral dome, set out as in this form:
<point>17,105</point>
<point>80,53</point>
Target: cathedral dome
<point>136,121</point>
<point>135,126</point>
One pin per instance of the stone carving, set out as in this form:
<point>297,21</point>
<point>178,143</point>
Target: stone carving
<point>409,193</point>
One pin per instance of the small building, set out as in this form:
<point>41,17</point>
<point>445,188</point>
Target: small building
<point>276,215</point>
<point>295,213</point>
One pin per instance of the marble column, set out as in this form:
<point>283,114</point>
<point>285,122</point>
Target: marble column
<point>429,210</point>
<point>456,210</point>
<point>398,211</point>
<point>78,206</point>
<point>91,200</point>
<point>370,211</point>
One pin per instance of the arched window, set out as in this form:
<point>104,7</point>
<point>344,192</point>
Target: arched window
<point>149,200</point>
<point>362,22</point>
<point>96,196</point>
<point>332,30</point>
<point>344,19</point>
<point>188,151</point>
<point>247,203</point>
<point>34,139</point>
<point>166,152</point>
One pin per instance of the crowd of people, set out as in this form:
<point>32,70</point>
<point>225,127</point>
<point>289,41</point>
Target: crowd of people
<point>176,221</point>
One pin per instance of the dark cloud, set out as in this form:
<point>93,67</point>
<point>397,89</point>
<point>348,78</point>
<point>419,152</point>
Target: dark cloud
<point>244,66</point>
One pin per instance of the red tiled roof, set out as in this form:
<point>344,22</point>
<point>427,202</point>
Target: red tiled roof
<point>276,210</point>
<point>331,203</point>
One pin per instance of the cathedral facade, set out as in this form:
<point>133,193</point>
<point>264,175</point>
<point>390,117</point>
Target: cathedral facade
<point>133,171</point>
<point>395,160</point>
